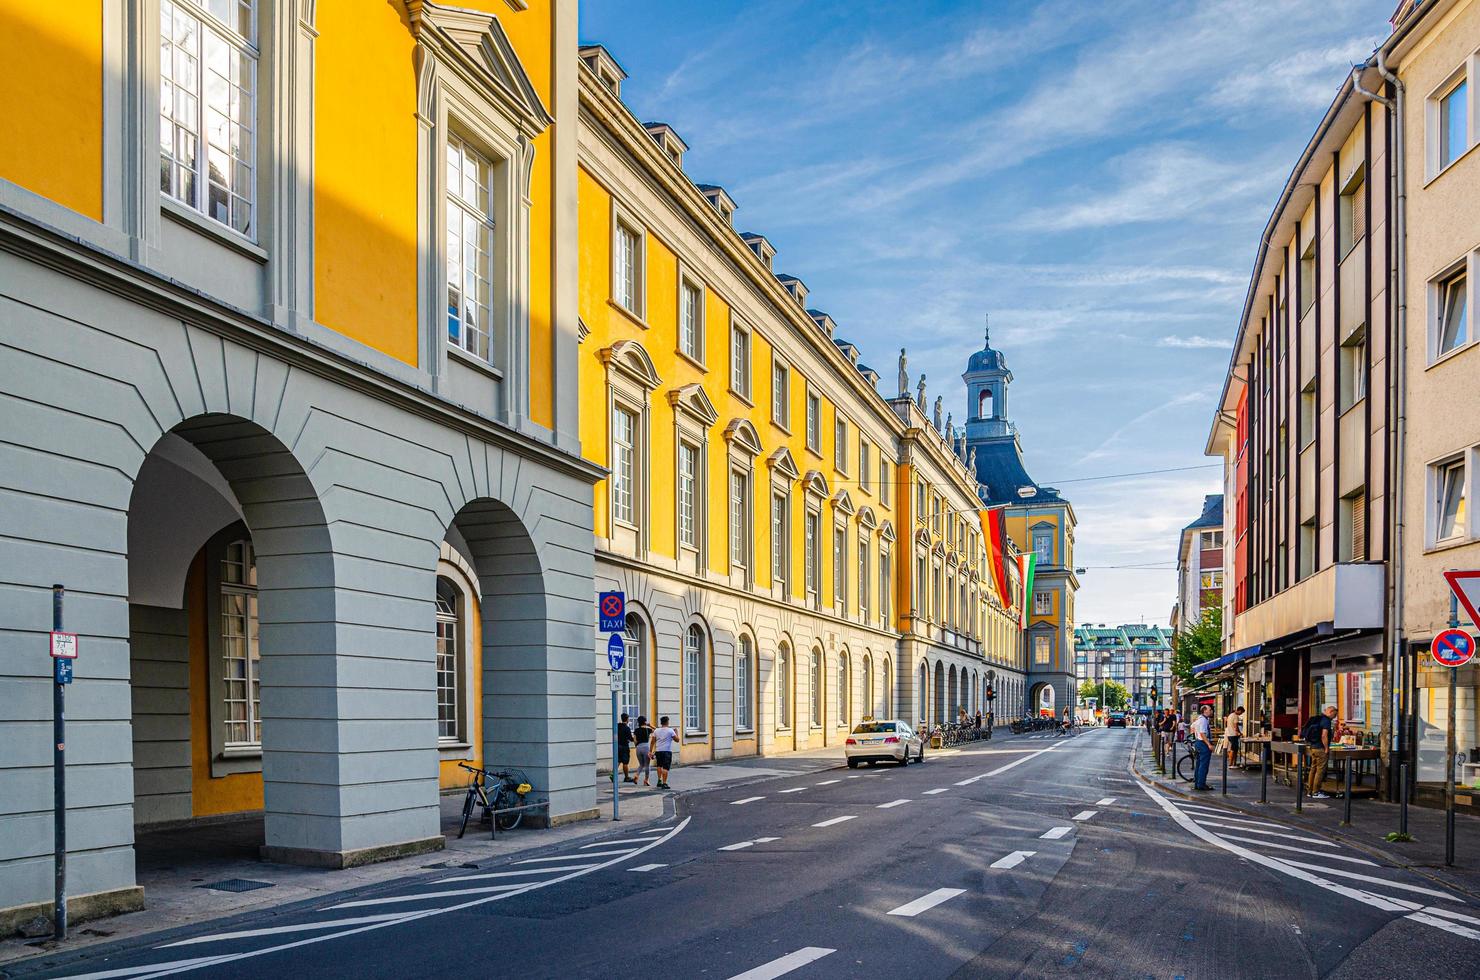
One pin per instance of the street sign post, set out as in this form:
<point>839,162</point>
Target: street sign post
<point>612,607</point>
<point>64,652</point>
<point>1453,648</point>
<point>611,610</point>
<point>616,653</point>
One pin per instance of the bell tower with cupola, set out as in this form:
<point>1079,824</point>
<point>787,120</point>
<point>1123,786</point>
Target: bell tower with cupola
<point>987,379</point>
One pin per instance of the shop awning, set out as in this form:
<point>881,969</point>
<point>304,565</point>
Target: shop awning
<point>1228,660</point>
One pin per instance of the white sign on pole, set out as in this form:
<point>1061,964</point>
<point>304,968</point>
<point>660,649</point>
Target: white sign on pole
<point>63,645</point>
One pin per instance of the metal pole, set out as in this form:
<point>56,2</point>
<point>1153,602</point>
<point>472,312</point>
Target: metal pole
<point>1403,797</point>
<point>1346,820</point>
<point>1264,774</point>
<point>1449,751</point>
<point>59,777</point>
<point>1224,753</point>
<point>616,787</point>
<point>1300,779</point>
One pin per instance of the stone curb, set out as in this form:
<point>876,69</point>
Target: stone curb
<point>1393,860</point>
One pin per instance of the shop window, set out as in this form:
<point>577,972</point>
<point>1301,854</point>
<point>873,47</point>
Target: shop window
<point>241,658</point>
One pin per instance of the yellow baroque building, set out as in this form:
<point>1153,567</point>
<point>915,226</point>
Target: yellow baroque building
<point>798,548</point>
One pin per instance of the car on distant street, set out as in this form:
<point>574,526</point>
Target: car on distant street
<point>884,740</point>
<point>1115,719</point>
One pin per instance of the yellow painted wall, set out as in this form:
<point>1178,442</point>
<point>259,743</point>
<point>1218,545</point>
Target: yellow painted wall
<point>51,101</point>
<point>209,795</point>
<point>365,179</point>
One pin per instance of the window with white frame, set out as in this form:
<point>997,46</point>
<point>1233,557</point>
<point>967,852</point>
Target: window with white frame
<point>840,445</point>
<point>884,480</point>
<point>886,596</point>
<point>1211,580</point>
<point>691,319</point>
<point>1042,649</point>
<point>1210,540</point>
<point>863,576</point>
<point>470,228</point>
<point>1043,603</point>
<point>1043,546</point>
<point>783,685</point>
<point>1450,301</point>
<point>780,538</point>
<point>1448,480</point>
<point>1452,123</point>
<point>740,360</point>
<point>241,658</point>
<point>630,677</point>
<point>744,683</point>
<point>810,561</point>
<point>624,465</point>
<point>865,463</point>
<point>1352,371</point>
<point>739,518</point>
<point>449,659</point>
<point>840,569</point>
<point>688,493</point>
<point>207,108</point>
<point>627,259</point>
<point>816,688</point>
<point>780,393</point>
<point>921,681</point>
<point>693,679</point>
<point>814,422</point>
<point>845,695</point>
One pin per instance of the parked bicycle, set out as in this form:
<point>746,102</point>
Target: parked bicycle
<point>507,790</point>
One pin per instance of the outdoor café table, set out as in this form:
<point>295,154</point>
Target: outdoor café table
<point>1348,754</point>
<point>1251,748</point>
<point>1284,759</point>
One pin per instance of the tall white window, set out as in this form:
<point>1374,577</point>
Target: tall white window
<point>740,361</point>
<point>739,519</point>
<point>863,576</point>
<point>810,561</point>
<point>448,655</point>
<point>688,481</point>
<point>840,568</point>
<point>691,320</point>
<point>744,682</point>
<point>624,465</point>
<point>1043,603</point>
<point>693,679</point>
<point>781,394</point>
<point>627,268</point>
<point>921,681</point>
<point>1449,500</point>
<point>634,638</point>
<point>884,479</point>
<point>865,463</point>
<point>207,108</point>
<point>814,423</point>
<point>1042,649</point>
<point>1453,327</point>
<point>1454,124</point>
<point>1043,545</point>
<point>886,594</point>
<point>845,695</point>
<point>816,688</point>
<point>780,538</point>
<point>469,249</point>
<point>241,658</point>
<point>783,686</point>
<point>840,446</point>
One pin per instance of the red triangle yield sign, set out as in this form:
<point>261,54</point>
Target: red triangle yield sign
<point>1466,587</point>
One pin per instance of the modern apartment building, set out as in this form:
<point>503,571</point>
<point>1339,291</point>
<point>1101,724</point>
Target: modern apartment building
<point>1200,566</point>
<point>1346,456</point>
<point>1137,656</point>
<point>799,549</point>
<point>290,408</point>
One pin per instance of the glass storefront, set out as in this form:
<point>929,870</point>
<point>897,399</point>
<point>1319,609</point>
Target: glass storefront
<point>1432,709</point>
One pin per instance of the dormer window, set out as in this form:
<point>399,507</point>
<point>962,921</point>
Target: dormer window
<point>720,201</point>
<point>824,322</point>
<point>668,141</point>
<point>601,63</point>
<point>795,287</point>
<point>763,249</point>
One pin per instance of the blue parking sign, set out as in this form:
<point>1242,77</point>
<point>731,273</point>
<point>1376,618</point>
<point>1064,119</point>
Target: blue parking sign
<point>612,609</point>
<point>616,653</point>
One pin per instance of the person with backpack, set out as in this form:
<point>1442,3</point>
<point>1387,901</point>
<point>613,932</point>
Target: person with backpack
<point>1317,735</point>
<point>624,749</point>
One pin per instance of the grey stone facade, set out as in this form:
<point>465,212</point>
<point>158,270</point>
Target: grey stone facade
<point>349,481</point>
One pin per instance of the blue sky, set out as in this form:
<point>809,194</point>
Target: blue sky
<point>1095,175</point>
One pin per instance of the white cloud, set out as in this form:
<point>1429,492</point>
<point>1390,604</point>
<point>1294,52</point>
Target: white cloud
<point>1304,80</point>
<point>1195,342</point>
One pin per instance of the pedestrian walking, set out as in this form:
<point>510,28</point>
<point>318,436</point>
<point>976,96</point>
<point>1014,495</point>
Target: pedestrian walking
<point>978,719</point>
<point>1317,736</point>
<point>1233,730</point>
<point>642,735</point>
<point>665,740</point>
<point>624,748</point>
<point>1202,730</point>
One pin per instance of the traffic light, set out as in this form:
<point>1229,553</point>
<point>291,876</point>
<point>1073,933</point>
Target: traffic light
<point>991,692</point>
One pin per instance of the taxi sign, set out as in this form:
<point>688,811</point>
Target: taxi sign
<point>62,670</point>
<point>63,645</point>
<point>616,654</point>
<point>1453,648</point>
<point>612,608</point>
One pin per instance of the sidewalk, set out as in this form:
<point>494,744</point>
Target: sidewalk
<point>1371,820</point>
<point>188,874</point>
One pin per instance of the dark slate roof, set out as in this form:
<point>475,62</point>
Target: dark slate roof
<point>1212,513</point>
<point>1000,470</point>
<point>787,277</point>
<point>709,187</point>
<point>987,360</point>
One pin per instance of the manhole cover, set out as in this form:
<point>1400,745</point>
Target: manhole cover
<point>237,885</point>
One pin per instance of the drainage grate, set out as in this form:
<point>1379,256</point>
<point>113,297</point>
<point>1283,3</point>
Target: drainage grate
<point>237,885</point>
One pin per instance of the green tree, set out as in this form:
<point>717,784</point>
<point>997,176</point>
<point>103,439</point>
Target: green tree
<point>1107,694</point>
<point>1197,645</point>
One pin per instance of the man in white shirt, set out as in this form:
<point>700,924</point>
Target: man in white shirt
<point>664,743</point>
<point>1202,744</point>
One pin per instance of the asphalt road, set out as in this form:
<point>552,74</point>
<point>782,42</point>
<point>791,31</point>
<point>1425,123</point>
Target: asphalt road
<point>1020,857</point>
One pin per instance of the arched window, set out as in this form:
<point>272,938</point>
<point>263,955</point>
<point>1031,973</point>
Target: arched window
<point>984,404</point>
<point>816,686</point>
<point>845,694</point>
<point>633,688</point>
<point>744,682</point>
<point>868,687</point>
<point>693,679</point>
<point>241,659</point>
<point>888,691</point>
<point>783,686</point>
<point>924,702</point>
<point>449,658</point>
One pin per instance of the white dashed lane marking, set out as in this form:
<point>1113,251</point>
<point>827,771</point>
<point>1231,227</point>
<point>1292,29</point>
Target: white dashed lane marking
<point>1013,860</point>
<point>648,867</point>
<point>784,965</point>
<point>748,799</point>
<point>829,782</point>
<point>1106,801</point>
<point>835,820</point>
<point>926,902</point>
<point>891,804</point>
<point>1085,814</point>
<point>794,789</point>
<point>1055,833</point>
<point>932,792</point>
<point>738,847</point>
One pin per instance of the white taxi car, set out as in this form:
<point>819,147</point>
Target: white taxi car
<point>884,740</point>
